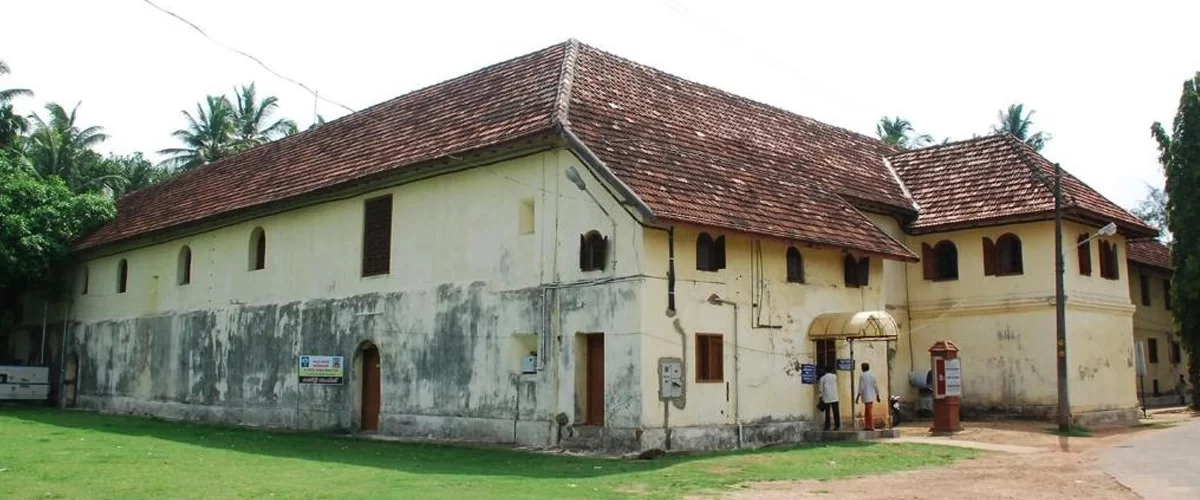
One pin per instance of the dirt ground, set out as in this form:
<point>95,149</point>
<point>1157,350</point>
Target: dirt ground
<point>1062,468</point>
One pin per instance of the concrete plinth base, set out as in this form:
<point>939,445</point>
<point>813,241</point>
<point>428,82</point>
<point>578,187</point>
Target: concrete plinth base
<point>822,436</point>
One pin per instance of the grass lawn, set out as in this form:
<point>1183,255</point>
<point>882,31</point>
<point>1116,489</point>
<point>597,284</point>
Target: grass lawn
<point>47,453</point>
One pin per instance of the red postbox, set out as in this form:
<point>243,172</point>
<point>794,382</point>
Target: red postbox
<point>947,386</point>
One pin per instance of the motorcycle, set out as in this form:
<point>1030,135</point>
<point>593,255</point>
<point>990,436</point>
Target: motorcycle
<point>894,406</point>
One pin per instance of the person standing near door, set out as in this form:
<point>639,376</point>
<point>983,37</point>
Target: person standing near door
<point>868,393</point>
<point>829,398</point>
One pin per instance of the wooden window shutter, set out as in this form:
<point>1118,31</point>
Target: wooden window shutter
<point>719,253</point>
<point>377,236</point>
<point>704,249</point>
<point>850,271</point>
<point>989,257</point>
<point>864,271</point>
<point>716,356</point>
<point>584,253</point>
<point>601,253</point>
<point>928,261</point>
<point>1085,255</point>
<point>1114,267</point>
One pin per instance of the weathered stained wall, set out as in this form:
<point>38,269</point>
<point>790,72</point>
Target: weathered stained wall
<point>469,293</point>
<point>1154,321</point>
<point>771,335</point>
<point>1005,325</point>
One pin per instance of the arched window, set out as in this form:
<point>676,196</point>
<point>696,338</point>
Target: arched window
<point>940,261</point>
<point>1003,258</point>
<point>184,273</point>
<point>593,251</point>
<point>710,253</point>
<point>1085,254</point>
<point>795,266</point>
<point>1110,264</point>
<point>258,249</point>
<point>122,276</point>
<point>85,280</point>
<point>857,272</point>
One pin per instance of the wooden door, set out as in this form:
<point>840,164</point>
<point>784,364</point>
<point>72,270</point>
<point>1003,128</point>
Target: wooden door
<point>71,381</point>
<point>370,389</point>
<point>595,379</point>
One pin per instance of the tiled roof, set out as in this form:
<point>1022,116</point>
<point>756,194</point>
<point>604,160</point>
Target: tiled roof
<point>488,107</point>
<point>1149,251</point>
<point>696,154</point>
<point>990,180</point>
<point>693,153</point>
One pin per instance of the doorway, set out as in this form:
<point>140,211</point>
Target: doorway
<point>370,389</point>
<point>71,381</point>
<point>595,379</point>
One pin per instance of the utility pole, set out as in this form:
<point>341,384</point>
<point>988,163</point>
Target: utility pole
<point>1060,312</point>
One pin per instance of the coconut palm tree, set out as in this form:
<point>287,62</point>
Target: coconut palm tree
<point>208,137</point>
<point>12,124</point>
<point>252,119</point>
<point>899,132</point>
<point>58,147</point>
<point>1017,122</point>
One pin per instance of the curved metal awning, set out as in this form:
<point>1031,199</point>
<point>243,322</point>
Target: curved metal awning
<point>854,325</point>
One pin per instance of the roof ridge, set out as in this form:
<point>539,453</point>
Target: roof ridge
<point>1022,151</point>
<point>560,115</point>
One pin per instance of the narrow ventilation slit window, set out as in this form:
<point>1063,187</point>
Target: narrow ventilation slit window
<point>86,277</point>
<point>258,249</point>
<point>1144,282</point>
<point>377,236</point>
<point>593,251</point>
<point>710,358</point>
<point>184,273</point>
<point>795,265</point>
<point>1152,350</point>
<point>122,276</point>
<point>940,261</point>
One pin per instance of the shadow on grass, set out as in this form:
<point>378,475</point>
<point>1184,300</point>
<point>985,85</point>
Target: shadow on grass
<point>416,458</point>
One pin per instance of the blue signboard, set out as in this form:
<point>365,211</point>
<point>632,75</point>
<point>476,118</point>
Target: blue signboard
<point>808,374</point>
<point>845,365</point>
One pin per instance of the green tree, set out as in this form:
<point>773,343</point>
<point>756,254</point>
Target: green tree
<point>58,147</point>
<point>899,132</point>
<point>252,119</point>
<point>1017,122</point>
<point>1153,211</point>
<point>136,172</point>
<point>12,124</point>
<point>1179,150</point>
<point>40,217</point>
<point>208,137</point>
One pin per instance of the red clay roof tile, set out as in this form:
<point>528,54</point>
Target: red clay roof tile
<point>1149,251</point>
<point>693,153</point>
<point>990,180</point>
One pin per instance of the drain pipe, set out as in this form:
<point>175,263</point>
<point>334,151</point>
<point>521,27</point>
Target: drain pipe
<point>737,395</point>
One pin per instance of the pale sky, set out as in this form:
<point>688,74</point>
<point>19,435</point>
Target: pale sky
<point>1097,73</point>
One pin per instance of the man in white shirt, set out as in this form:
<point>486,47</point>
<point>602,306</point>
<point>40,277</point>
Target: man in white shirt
<point>829,398</point>
<point>868,392</point>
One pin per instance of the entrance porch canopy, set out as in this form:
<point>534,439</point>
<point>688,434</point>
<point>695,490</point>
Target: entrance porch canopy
<point>873,325</point>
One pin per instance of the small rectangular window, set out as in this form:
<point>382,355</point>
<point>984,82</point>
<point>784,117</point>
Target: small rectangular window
<point>826,353</point>
<point>1176,354</point>
<point>1145,283</point>
<point>377,236</point>
<point>1085,255</point>
<point>1167,294</point>
<point>525,222</point>
<point>1152,350</point>
<point>710,358</point>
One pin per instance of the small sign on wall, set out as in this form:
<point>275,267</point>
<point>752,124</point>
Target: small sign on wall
<point>808,374</point>
<point>845,365</point>
<point>322,370</point>
<point>953,377</point>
